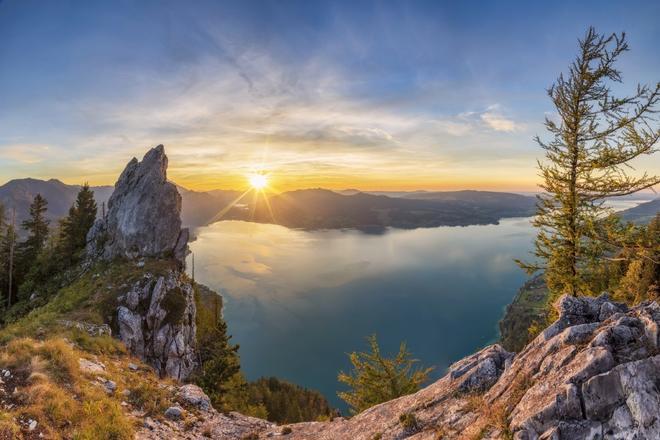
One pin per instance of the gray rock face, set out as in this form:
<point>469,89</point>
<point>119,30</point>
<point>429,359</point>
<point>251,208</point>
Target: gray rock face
<point>593,374</point>
<point>144,214</point>
<point>156,321</point>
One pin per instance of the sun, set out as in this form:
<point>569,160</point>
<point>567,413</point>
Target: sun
<point>258,181</point>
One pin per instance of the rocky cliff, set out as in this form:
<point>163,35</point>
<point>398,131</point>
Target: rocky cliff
<point>593,374</point>
<point>155,316</point>
<point>144,214</point>
<point>156,321</point>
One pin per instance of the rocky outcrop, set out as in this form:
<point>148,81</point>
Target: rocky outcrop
<point>195,418</point>
<point>143,218</point>
<point>156,321</point>
<point>155,318</point>
<point>593,374</point>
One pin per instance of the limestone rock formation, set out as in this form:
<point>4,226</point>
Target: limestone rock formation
<point>156,321</point>
<point>143,218</point>
<point>593,374</point>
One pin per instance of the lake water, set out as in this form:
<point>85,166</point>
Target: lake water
<point>298,301</point>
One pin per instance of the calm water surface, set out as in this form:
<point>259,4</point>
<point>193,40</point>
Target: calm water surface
<point>298,301</point>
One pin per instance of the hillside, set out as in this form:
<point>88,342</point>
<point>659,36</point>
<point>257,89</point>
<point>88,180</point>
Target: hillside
<point>642,213</point>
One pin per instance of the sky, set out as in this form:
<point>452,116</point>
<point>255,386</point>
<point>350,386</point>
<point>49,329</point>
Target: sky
<point>389,95</point>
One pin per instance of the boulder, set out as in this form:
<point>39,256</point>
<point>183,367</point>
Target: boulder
<point>174,413</point>
<point>194,396</point>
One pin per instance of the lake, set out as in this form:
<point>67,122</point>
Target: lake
<point>298,301</point>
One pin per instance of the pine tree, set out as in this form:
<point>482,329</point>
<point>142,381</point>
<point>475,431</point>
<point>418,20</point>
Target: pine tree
<point>76,225</point>
<point>3,220</point>
<point>8,284</point>
<point>376,379</point>
<point>586,159</point>
<point>37,227</point>
<point>220,363</point>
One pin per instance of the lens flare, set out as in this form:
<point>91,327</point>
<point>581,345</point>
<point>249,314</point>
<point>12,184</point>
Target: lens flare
<point>258,181</point>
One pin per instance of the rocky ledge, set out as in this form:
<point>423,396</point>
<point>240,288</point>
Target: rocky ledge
<point>593,374</point>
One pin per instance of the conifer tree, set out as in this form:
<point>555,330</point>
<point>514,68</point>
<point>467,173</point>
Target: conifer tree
<point>376,379</point>
<point>220,363</point>
<point>37,227</point>
<point>3,220</point>
<point>591,146</point>
<point>77,224</point>
<point>8,285</point>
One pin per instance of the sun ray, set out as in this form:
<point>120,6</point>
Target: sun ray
<point>223,211</point>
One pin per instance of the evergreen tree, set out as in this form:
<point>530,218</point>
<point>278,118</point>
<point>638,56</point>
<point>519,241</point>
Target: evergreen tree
<point>219,361</point>
<point>8,284</point>
<point>76,225</point>
<point>37,227</point>
<point>377,379</point>
<point>596,137</point>
<point>3,220</point>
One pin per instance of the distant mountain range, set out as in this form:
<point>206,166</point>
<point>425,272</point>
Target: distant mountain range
<point>324,209</point>
<point>19,194</point>
<point>308,209</point>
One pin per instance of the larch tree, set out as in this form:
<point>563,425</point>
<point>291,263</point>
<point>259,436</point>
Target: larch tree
<point>376,378</point>
<point>587,160</point>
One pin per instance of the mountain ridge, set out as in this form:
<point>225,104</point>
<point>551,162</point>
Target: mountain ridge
<point>330,209</point>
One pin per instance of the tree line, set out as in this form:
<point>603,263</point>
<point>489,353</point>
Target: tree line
<point>30,268</point>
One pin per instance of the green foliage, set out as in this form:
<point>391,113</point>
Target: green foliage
<point>46,259</point>
<point>377,379</point>
<point>597,135</point>
<point>74,227</point>
<point>636,267</point>
<point>288,403</point>
<point>218,357</point>
<point>37,228</point>
<point>174,303</point>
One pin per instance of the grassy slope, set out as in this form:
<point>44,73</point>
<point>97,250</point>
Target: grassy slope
<point>43,358</point>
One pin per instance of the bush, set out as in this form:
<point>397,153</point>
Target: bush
<point>409,422</point>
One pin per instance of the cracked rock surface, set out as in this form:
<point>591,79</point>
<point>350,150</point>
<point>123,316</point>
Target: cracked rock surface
<point>156,320</point>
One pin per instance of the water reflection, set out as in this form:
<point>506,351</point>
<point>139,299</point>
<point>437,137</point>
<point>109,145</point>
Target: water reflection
<point>297,301</point>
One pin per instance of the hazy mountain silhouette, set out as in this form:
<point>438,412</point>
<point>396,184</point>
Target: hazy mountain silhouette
<point>308,208</point>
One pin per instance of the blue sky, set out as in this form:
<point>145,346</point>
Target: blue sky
<point>387,95</point>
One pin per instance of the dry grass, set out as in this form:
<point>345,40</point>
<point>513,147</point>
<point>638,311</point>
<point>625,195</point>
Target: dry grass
<point>43,358</point>
<point>495,417</point>
<point>51,390</point>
